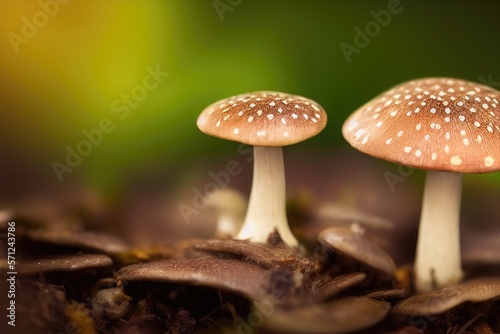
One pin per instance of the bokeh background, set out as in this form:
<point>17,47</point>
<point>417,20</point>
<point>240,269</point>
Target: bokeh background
<point>63,64</point>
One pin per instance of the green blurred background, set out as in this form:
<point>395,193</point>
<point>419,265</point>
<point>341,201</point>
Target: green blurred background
<point>63,64</point>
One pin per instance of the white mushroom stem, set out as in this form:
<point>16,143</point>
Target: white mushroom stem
<point>438,261</point>
<point>267,207</point>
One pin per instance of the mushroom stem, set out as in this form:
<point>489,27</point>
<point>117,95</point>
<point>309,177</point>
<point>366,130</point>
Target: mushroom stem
<point>438,261</point>
<point>267,207</point>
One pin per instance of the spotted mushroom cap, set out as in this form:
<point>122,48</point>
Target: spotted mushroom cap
<point>263,119</point>
<point>440,124</point>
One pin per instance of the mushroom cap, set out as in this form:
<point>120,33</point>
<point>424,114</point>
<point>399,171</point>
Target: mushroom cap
<point>67,263</point>
<point>263,118</point>
<point>440,124</point>
<point>359,248</point>
<point>235,276</point>
<point>442,300</point>
<point>344,315</point>
<point>92,241</point>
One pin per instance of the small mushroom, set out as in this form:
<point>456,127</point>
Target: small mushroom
<point>268,121</point>
<point>242,278</point>
<point>67,263</point>
<point>442,300</point>
<point>357,247</point>
<point>447,127</point>
<point>344,315</point>
<point>230,206</point>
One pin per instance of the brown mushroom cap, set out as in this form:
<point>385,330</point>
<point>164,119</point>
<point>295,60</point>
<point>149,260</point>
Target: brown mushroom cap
<point>442,300</point>
<point>68,263</point>
<point>440,124</point>
<point>93,241</point>
<point>235,276</point>
<point>264,255</point>
<point>359,248</point>
<point>263,119</point>
<point>344,315</point>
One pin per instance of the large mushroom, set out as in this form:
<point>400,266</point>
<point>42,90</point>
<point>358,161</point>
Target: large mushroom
<point>268,121</point>
<point>447,127</point>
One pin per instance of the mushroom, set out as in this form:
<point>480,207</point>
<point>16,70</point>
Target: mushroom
<point>235,276</point>
<point>268,121</point>
<point>360,249</point>
<point>344,315</point>
<point>67,263</point>
<point>447,127</point>
<point>230,205</point>
<point>443,300</point>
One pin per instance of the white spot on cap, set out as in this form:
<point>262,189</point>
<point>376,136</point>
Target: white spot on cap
<point>433,156</point>
<point>426,137</point>
<point>488,161</point>
<point>447,136</point>
<point>318,116</point>
<point>466,141</point>
<point>418,127</point>
<point>272,104</point>
<point>250,119</point>
<point>236,131</point>
<point>400,133</point>
<point>261,133</point>
<point>455,160</point>
<point>408,149</point>
<point>485,106</point>
<point>479,138</point>
<point>359,133</point>
<point>433,110</point>
<point>460,103</point>
<point>447,110</point>
<point>283,120</point>
<point>218,123</point>
<point>490,129</point>
<point>280,110</point>
<point>447,119</point>
<point>285,134</point>
<point>394,113</point>
<point>270,116</point>
<point>418,153</point>
<point>477,124</point>
<point>252,105</point>
<point>365,140</point>
<point>240,113</point>
<point>305,116</point>
<point>297,106</point>
<point>447,149</point>
<point>472,109</point>
<point>379,124</point>
<point>294,116</point>
<point>461,118</point>
<point>388,141</point>
<point>259,112</point>
<point>315,108</point>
